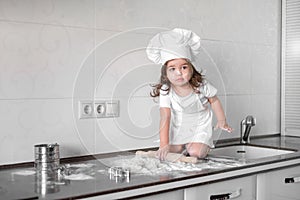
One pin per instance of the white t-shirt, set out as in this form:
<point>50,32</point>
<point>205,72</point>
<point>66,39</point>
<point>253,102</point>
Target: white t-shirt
<point>191,117</point>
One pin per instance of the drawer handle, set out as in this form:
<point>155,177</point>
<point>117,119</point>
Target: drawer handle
<point>292,180</point>
<point>230,195</point>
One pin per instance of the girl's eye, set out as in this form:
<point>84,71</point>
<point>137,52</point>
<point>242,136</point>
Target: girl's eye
<point>172,69</point>
<point>184,67</point>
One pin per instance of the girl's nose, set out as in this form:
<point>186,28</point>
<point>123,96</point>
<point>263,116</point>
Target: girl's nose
<point>178,72</point>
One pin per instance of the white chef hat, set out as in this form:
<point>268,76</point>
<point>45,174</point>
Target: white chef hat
<point>176,43</point>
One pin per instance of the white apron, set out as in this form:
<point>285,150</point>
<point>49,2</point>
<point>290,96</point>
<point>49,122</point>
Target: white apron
<point>191,116</point>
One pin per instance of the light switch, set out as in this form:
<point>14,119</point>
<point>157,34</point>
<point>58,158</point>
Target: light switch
<point>112,109</point>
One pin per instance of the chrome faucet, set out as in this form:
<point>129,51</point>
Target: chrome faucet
<point>246,125</point>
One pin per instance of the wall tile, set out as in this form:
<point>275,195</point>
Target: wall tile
<point>137,126</point>
<point>265,70</point>
<point>128,15</point>
<point>30,122</point>
<point>241,21</point>
<point>122,66</point>
<point>232,65</point>
<point>266,109</point>
<point>62,13</point>
<point>41,61</point>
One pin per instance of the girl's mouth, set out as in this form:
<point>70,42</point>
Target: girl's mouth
<point>179,79</point>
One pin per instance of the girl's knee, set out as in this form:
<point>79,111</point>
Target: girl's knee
<point>199,151</point>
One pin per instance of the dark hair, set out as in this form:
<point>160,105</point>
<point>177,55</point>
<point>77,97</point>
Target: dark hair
<point>195,80</point>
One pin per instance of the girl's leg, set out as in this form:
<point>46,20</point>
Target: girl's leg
<point>198,150</point>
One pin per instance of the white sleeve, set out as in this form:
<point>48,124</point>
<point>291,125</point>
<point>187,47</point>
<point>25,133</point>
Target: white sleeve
<point>208,90</point>
<point>164,99</point>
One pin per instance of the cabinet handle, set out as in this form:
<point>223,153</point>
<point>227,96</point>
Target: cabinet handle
<point>229,195</point>
<point>292,180</point>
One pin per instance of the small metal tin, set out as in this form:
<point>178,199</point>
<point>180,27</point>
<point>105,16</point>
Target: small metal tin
<point>46,156</point>
<point>45,182</point>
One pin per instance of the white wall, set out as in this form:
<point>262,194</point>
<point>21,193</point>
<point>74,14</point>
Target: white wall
<point>54,53</point>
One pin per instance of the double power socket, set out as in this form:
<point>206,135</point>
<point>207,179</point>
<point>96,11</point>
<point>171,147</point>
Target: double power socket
<point>99,109</point>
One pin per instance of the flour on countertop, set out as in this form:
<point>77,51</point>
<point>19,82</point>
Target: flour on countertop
<point>152,166</point>
<point>78,177</point>
<point>24,172</point>
<point>81,165</point>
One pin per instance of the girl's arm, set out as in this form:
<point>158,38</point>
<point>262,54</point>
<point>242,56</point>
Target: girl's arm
<point>165,116</point>
<point>219,112</point>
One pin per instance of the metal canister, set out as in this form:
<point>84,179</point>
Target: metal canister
<point>46,157</point>
<point>45,182</point>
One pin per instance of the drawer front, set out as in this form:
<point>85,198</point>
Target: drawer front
<point>239,188</point>
<point>174,195</point>
<point>281,184</point>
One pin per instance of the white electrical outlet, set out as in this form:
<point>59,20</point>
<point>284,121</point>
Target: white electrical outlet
<point>86,109</point>
<point>105,109</point>
<point>100,109</point>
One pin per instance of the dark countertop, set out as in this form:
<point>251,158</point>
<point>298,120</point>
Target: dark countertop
<point>24,183</point>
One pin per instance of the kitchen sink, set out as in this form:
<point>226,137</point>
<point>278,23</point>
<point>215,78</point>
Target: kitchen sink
<point>247,152</point>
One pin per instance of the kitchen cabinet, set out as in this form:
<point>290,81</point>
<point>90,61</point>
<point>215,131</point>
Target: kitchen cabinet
<point>239,188</point>
<point>174,195</point>
<point>281,184</point>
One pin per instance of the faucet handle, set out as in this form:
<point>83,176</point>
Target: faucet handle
<point>250,120</point>
<point>246,125</point>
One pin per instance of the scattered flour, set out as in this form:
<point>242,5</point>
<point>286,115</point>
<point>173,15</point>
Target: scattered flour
<point>81,165</point>
<point>79,171</point>
<point>78,177</point>
<point>24,172</point>
<point>102,171</point>
<point>152,166</point>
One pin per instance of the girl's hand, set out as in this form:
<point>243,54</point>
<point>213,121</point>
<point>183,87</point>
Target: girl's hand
<point>162,152</point>
<point>224,126</point>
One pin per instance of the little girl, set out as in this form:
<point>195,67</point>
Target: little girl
<point>184,96</point>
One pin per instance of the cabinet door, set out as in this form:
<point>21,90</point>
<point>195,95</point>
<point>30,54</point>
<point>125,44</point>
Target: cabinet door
<point>174,195</point>
<point>239,188</point>
<point>279,185</point>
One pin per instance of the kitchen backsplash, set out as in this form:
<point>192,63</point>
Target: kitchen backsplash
<point>54,54</point>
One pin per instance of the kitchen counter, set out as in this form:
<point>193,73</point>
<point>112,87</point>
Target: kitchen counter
<point>23,183</point>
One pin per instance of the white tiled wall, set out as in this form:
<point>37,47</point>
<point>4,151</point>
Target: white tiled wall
<point>55,53</point>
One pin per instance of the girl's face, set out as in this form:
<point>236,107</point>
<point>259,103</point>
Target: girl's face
<point>179,71</point>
